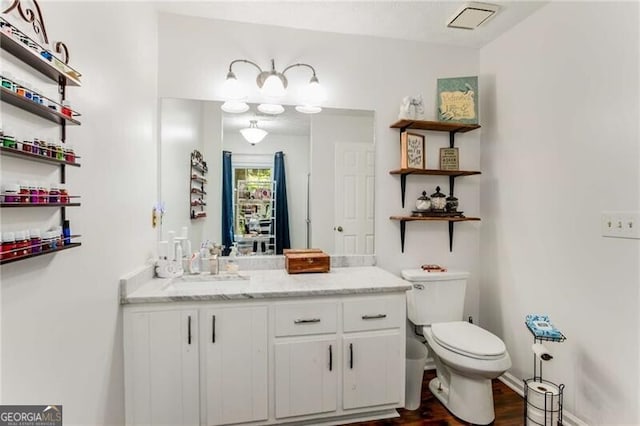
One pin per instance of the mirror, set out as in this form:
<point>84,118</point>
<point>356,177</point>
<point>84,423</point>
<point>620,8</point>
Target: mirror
<point>328,166</point>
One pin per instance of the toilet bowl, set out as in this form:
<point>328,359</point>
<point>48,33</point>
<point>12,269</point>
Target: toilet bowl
<point>466,356</point>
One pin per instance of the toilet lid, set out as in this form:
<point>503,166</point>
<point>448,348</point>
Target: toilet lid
<point>468,339</point>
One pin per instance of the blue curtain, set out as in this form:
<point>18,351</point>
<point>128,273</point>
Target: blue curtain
<point>227,201</point>
<point>282,211</point>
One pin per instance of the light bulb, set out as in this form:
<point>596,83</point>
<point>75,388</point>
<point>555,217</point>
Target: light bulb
<point>272,109</point>
<point>232,88</point>
<point>313,93</point>
<point>273,87</point>
<point>308,109</point>
<point>234,107</point>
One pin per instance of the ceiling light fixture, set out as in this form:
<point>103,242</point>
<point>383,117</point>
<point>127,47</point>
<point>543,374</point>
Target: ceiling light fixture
<point>253,134</point>
<point>273,86</point>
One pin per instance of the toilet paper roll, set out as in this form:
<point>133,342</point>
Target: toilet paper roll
<point>543,403</point>
<point>541,352</point>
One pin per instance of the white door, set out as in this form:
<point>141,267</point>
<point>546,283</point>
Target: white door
<point>379,352</point>
<point>306,377</point>
<point>162,384</point>
<point>235,364</point>
<point>354,180</point>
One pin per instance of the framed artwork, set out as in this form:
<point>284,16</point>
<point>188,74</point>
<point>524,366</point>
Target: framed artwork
<point>449,159</point>
<point>412,152</point>
<point>458,100</point>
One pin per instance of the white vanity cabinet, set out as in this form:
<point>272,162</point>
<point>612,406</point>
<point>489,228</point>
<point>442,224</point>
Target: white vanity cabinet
<point>161,366</point>
<point>235,366</point>
<point>373,341</point>
<point>288,359</point>
<point>305,358</point>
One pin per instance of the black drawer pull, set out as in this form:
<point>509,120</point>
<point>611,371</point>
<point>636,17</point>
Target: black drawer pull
<point>306,321</point>
<point>379,316</point>
<point>213,328</point>
<point>330,359</point>
<point>189,329</point>
<point>351,356</point>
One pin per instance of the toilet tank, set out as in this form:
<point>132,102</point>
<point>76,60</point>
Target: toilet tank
<point>435,296</point>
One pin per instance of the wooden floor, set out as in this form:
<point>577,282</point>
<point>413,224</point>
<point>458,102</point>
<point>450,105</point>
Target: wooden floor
<point>509,408</point>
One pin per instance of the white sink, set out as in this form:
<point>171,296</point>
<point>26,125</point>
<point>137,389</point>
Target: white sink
<point>205,282</point>
<point>208,278</point>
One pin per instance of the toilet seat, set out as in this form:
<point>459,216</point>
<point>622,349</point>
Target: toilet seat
<point>468,340</point>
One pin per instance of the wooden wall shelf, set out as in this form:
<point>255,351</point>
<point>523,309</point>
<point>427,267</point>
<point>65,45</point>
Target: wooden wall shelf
<point>404,219</point>
<point>3,205</point>
<point>436,126</point>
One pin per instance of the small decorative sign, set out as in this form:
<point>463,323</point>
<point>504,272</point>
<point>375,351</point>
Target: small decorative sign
<point>458,100</point>
<point>449,159</point>
<point>412,153</point>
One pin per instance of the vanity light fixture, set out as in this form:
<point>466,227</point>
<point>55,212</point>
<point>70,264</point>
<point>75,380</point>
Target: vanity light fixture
<point>253,134</point>
<point>273,86</point>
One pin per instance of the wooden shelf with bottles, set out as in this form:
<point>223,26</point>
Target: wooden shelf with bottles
<point>198,168</point>
<point>434,126</point>
<point>40,59</point>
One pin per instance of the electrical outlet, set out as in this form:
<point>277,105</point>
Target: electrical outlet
<point>620,224</point>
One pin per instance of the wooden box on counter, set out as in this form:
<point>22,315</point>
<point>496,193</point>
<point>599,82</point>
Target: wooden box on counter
<point>298,262</point>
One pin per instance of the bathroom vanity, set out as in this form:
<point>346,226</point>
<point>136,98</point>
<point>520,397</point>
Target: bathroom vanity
<point>264,347</point>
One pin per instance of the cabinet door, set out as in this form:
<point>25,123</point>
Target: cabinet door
<point>306,376</point>
<point>235,364</point>
<point>162,385</point>
<point>373,369</point>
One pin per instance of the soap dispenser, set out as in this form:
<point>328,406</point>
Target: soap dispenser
<point>232,265</point>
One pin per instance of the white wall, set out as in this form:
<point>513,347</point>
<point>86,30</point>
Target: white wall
<point>359,73</point>
<point>61,326</point>
<point>560,145</point>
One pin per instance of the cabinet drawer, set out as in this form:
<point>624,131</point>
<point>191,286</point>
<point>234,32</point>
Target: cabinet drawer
<point>297,319</point>
<point>374,313</point>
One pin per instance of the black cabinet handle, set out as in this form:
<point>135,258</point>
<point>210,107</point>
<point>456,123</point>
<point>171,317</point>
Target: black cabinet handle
<point>351,356</point>
<point>306,321</point>
<point>189,329</point>
<point>213,328</point>
<point>330,358</point>
<point>369,317</point>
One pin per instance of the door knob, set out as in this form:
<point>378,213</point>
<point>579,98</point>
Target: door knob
<point>339,228</point>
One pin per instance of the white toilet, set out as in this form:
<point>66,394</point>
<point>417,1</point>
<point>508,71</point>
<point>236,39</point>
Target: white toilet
<point>466,356</point>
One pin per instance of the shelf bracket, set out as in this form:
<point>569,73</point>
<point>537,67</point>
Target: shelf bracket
<point>403,225</point>
<point>403,186</point>
<point>452,181</point>
<point>451,236</point>
<point>452,139</point>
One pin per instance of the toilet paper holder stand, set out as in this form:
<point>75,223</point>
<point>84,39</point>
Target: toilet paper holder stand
<point>543,398</point>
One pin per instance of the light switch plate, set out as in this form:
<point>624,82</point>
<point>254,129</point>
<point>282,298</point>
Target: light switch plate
<point>620,224</point>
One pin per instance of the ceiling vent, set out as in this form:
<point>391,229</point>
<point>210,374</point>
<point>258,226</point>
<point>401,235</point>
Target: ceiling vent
<point>472,15</point>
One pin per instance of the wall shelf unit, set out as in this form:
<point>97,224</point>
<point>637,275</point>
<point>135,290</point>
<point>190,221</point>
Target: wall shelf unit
<point>435,126</point>
<point>198,168</point>
<point>43,61</point>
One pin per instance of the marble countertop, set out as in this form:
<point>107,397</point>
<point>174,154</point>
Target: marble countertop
<point>260,284</point>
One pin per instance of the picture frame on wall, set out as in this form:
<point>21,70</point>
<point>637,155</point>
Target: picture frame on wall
<point>449,159</point>
<point>458,100</point>
<point>412,151</point>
